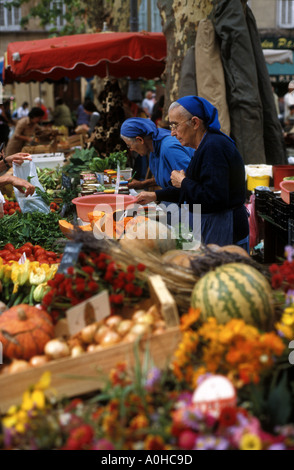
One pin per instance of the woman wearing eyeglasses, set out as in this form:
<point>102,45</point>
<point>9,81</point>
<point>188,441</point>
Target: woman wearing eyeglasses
<point>215,177</point>
<point>165,152</point>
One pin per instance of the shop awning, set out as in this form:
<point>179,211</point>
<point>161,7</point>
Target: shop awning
<point>280,64</point>
<point>130,55</point>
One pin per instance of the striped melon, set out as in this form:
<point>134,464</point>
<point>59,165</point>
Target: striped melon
<point>235,290</point>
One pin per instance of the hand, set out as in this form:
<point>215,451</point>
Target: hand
<point>22,185</point>
<point>145,197</point>
<point>135,184</point>
<point>177,178</point>
<point>18,158</point>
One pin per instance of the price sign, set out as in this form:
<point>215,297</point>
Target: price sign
<point>65,181</point>
<point>91,310</point>
<point>70,256</point>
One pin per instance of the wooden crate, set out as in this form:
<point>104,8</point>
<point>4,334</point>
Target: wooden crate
<point>87,373</point>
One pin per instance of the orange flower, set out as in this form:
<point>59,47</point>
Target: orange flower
<point>154,443</point>
<point>138,422</point>
<point>189,318</point>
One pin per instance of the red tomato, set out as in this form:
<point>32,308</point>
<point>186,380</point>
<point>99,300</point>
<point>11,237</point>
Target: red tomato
<point>39,252</point>
<point>9,247</point>
<point>5,254</point>
<point>51,254</point>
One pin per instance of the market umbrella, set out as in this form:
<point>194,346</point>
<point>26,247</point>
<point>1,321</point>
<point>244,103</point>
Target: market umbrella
<point>131,55</point>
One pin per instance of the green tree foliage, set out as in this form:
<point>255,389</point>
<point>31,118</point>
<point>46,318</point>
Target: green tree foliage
<point>77,17</point>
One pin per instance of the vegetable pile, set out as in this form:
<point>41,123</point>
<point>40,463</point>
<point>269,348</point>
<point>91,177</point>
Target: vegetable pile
<point>35,227</point>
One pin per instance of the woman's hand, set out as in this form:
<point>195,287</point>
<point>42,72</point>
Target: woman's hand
<point>18,158</point>
<point>145,197</point>
<point>22,185</point>
<point>135,184</point>
<point>177,178</point>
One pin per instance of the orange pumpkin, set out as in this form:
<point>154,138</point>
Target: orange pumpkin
<point>24,331</point>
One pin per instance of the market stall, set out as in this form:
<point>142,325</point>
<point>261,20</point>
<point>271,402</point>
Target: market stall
<point>133,55</point>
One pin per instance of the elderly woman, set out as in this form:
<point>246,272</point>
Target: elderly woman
<point>215,177</point>
<point>165,152</point>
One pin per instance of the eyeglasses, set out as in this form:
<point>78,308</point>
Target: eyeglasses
<point>174,126</point>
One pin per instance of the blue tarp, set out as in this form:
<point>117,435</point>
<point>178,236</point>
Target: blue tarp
<point>281,72</point>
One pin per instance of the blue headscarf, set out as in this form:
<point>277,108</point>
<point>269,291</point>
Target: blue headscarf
<point>203,109</point>
<point>134,127</point>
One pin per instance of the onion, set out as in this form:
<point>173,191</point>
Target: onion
<point>140,329</point>
<point>102,330</point>
<point>160,324</point>
<point>129,338</point>
<point>110,338</point>
<point>38,360</point>
<point>148,318</point>
<point>94,347</point>
<point>124,327</point>
<point>153,310</point>
<point>88,332</point>
<point>18,365</point>
<point>138,314</point>
<point>77,351</point>
<point>56,349</point>
<point>113,321</point>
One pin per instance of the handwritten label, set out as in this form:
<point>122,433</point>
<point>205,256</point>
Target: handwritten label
<point>90,311</point>
<point>70,256</point>
<point>65,181</point>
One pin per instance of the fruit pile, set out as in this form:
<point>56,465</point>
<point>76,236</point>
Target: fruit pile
<point>10,207</point>
<point>32,252</point>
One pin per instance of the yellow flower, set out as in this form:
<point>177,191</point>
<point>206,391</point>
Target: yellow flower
<point>40,291</point>
<point>288,318</point>
<point>27,402</point>
<point>19,274</point>
<point>39,399</point>
<point>44,381</point>
<point>250,441</point>
<point>37,275</point>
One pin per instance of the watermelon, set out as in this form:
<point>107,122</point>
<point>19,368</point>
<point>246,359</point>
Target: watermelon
<point>235,290</point>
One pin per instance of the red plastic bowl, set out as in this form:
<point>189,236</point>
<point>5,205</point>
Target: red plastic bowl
<point>101,202</point>
<point>287,187</point>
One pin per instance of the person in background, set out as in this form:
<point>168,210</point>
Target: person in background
<point>288,100</point>
<point>82,117</point>
<point>158,110</point>
<point>94,114</point>
<point>23,110</point>
<point>5,164</point>
<point>40,104</point>
<point>62,114</point>
<point>165,152</point>
<point>6,121</point>
<point>24,131</point>
<point>214,179</point>
<point>148,103</point>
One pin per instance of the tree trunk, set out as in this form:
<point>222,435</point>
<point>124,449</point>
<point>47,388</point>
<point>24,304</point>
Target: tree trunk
<point>179,19</point>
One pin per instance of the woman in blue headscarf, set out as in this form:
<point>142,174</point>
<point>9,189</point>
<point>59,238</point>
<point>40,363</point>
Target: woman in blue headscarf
<point>165,152</point>
<point>215,177</point>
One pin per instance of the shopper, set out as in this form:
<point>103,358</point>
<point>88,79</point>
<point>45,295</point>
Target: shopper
<point>62,115</point>
<point>21,184</point>
<point>24,131</point>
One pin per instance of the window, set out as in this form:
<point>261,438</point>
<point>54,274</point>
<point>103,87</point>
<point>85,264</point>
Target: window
<point>285,13</point>
<point>9,17</point>
<point>149,16</point>
<point>60,9</point>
